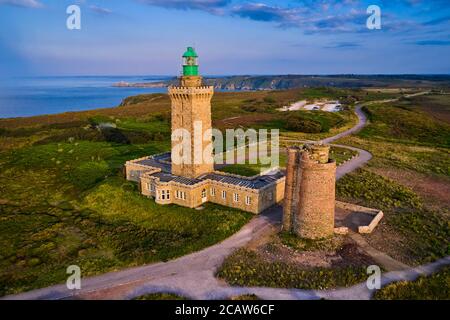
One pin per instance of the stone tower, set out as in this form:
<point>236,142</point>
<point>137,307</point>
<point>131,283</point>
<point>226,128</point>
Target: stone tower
<point>291,187</point>
<point>310,192</point>
<point>191,122</point>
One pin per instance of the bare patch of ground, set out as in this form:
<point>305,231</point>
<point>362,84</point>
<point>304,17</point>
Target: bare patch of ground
<point>393,243</point>
<point>437,106</point>
<point>338,251</point>
<point>433,190</point>
<point>351,219</point>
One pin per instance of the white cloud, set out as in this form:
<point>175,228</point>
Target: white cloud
<point>100,10</point>
<point>23,3</point>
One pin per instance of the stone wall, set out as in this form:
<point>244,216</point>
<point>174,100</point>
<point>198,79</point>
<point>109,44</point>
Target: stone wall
<point>258,199</point>
<point>376,213</point>
<point>310,192</point>
<point>290,187</point>
<point>191,105</point>
<point>315,213</point>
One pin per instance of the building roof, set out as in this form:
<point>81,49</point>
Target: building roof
<point>158,161</point>
<point>161,161</point>
<point>256,183</point>
<point>167,177</point>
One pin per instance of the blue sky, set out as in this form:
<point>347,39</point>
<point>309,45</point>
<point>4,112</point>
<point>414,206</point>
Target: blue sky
<point>129,37</point>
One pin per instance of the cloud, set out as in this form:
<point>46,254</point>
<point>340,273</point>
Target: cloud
<point>433,43</point>
<point>310,16</point>
<point>211,6</point>
<point>309,20</point>
<point>343,45</point>
<point>263,12</point>
<point>23,3</point>
<point>100,10</point>
<point>437,21</point>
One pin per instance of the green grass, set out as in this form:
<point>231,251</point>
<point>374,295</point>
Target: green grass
<point>426,230</point>
<point>248,268</point>
<point>246,170</point>
<point>68,203</point>
<point>299,244</point>
<point>160,296</point>
<point>376,191</point>
<point>405,123</point>
<point>245,297</point>
<point>433,287</point>
<point>340,155</point>
<point>401,135</point>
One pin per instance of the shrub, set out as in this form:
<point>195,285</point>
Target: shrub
<point>299,124</point>
<point>269,100</point>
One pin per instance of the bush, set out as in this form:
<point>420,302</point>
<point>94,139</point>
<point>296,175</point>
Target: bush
<point>269,100</point>
<point>303,125</point>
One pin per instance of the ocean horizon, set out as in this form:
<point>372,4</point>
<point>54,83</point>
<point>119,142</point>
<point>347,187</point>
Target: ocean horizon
<point>32,96</point>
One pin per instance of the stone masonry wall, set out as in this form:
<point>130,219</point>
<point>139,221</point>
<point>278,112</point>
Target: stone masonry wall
<point>191,105</point>
<point>291,182</point>
<point>315,213</point>
<point>310,192</point>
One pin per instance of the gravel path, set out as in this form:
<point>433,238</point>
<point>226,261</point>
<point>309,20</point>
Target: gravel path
<point>193,275</point>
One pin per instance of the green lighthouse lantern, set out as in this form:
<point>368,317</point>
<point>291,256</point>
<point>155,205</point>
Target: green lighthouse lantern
<point>190,65</point>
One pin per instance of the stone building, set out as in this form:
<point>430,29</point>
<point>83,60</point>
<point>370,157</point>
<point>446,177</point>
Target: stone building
<point>190,184</point>
<point>309,204</point>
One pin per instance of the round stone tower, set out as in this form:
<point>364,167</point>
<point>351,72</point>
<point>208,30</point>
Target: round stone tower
<point>314,216</point>
<point>291,187</point>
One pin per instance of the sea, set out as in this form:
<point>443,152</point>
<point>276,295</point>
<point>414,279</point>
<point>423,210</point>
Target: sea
<point>30,96</point>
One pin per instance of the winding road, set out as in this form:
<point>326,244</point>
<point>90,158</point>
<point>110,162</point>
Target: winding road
<point>193,275</point>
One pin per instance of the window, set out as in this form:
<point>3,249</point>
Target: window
<point>204,193</point>
<point>236,197</point>
<point>165,194</point>
<point>152,187</point>
<point>180,195</point>
<point>248,200</point>
<point>270,196</point>
<point>224,194</point>
<point>213,192</point>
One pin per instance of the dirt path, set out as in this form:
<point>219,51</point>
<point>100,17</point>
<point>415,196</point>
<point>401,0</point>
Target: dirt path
<point>193,275</point>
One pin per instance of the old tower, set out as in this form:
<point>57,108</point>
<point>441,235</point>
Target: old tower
<point>309,202</point>
<point>191,122</point>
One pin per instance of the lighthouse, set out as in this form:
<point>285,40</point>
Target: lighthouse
<point>192,149</point>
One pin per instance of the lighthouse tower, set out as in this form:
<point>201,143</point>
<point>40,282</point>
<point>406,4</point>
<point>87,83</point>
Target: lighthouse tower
<point>192,152</point>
